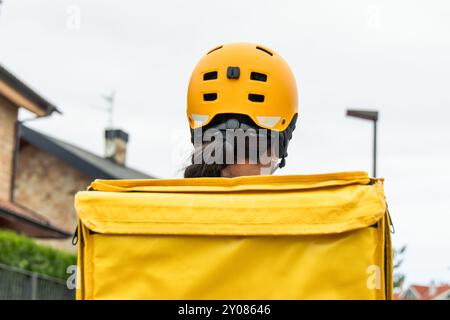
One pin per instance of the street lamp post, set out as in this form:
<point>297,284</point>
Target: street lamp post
<point>372,116</point>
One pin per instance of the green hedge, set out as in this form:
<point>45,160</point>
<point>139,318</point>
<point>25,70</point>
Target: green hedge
<point>22,252</point>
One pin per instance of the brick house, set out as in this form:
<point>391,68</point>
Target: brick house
<point>39,174</point>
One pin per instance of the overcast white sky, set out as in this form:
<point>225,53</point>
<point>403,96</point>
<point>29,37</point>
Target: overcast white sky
<point>390,55</point>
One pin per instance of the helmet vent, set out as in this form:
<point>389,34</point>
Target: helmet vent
<point>209,96</point>
<point>216,48</point>
<point>258,76</point>
<point>210,76</point>
<point>256,97</point>
<point>265,50</point>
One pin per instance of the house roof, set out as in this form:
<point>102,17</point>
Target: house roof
<point>90,164</point>
<point>23,220</point>
<point>22,95</point>
<point>423,292</point>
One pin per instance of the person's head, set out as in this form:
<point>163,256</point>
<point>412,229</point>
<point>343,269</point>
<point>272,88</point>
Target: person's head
<point>242,110</point>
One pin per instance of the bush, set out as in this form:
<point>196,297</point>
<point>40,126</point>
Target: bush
<point>22,252</point>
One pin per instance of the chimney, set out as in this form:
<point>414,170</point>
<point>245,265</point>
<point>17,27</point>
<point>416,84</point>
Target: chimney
<point>116,145</point>
<point>432,289</point>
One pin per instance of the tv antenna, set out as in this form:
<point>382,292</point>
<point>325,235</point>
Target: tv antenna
<point>109,107</point>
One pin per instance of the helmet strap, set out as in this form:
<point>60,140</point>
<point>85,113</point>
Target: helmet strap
<point>282,163</point>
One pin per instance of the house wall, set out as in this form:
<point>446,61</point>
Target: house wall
<point>8,119</point>
<point>47,185</point>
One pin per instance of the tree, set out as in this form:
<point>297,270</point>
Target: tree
<point>399,278</point>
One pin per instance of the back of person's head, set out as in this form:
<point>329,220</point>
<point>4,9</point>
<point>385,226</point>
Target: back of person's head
<point>242,109</point>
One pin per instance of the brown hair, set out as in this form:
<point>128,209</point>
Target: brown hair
<point>204,170</point>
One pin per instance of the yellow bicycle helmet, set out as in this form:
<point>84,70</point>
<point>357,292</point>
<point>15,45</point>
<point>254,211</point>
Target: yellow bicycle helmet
<point>241,85</point>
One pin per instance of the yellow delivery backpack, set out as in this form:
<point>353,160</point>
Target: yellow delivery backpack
<point>321,236</point>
